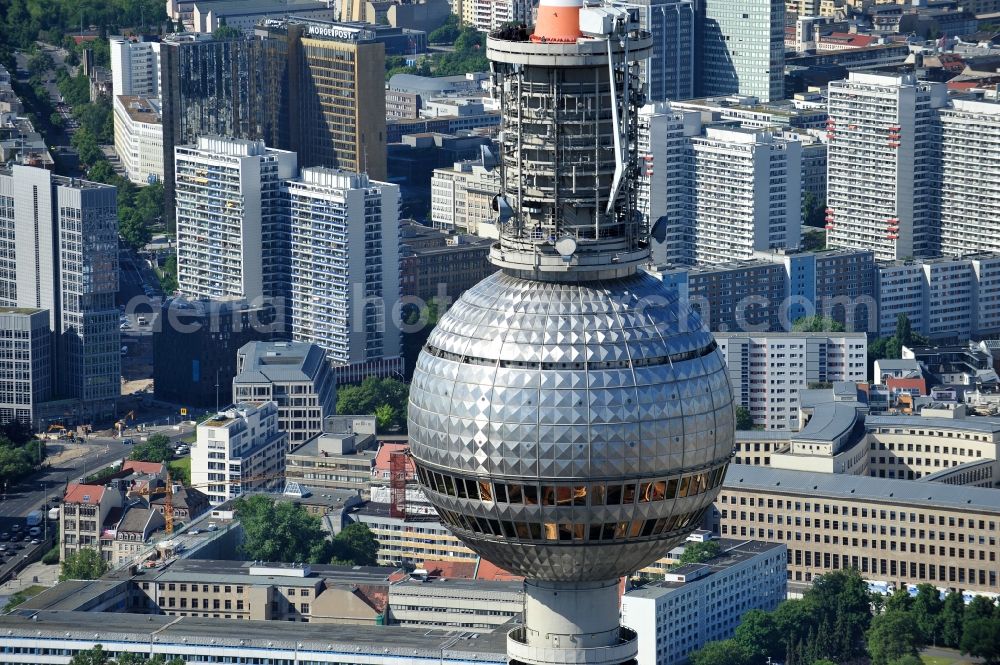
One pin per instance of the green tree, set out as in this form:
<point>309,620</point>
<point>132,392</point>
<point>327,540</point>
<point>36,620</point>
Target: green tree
<point>95,656</point>
<point>226,32</point>
<point>86,146</point>
<point>75,89</point>
<point>149,203</point>
<point>102,171</point>
<point>56,120</point>
<point>817,324</point>
<point>14,463</point>
<point>724,652</point>
<point>980,607</point>
<point>370,394</point>
<point>758,637</point>
<point>813,210</point>
<point>893,635</point>
<point>840,606</point>
<point>156,448</point>
<point>168,277</point>
<point>40,63</point>
<point>700,552</point>
<point>744,421</point>
<point>900,601</point>
<point>927,608</point>
<point>448,32</point>
<point>84,564</point>
<point>355,545</point>
<point>133,230</point>
<point>981,638</point>
<point>279,531</point>
<point>952,620</point>
<point>386,415</point>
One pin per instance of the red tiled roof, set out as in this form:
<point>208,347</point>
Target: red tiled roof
<point>893,384</point>
<point>961,85</point>
<point>151,468</point>
<point>481,569</point>
<point>78,493</point>
<point>382,459</point>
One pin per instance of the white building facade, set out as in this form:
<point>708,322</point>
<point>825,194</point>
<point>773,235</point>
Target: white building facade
<point>701,603</point>
<point>767,371</point>
<point>488,15</point>
<point>238,450</point>
<point>970,177</point>
<point>139,138</point>
<point>228,202</point>
<point>882,165</point>
<point>713,195</point>
<point>462,198</point>
<point>344,273</point>
<point>135,67</point>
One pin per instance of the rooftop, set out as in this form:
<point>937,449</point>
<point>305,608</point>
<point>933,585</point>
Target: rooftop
<point>861,488</point>
<point>77,493</point>
<point>239,572</point>
<point>979,424</point>
<point>140,109</point>
<point>733,552</point>
<point>279,362</point>
<point>143,629</point>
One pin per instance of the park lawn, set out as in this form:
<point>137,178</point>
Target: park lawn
<point>944,660</point>
<point>180,470</point>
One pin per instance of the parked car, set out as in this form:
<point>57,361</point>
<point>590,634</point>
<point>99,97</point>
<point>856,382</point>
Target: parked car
<point>33,531</point>
<point>128,442</point>
<point>34,541</point>
<point>4,536</point>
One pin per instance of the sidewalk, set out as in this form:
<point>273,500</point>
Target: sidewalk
<point>36,573</point>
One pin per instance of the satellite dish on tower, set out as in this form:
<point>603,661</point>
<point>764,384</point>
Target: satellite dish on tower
<point>566,246</point>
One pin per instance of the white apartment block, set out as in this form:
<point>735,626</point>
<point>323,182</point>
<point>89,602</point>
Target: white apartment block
<point>135,67</point>
<point>228,206</point>
<point>488,15</point>
<point>701,603</point>
<point>746,194</point>
<point>344,276</point>
<point>882,168</point>
<point>139,138</point>
<point>462,198</point>
<point>768,370</point>
<point>664,144</point>
<point>943,298</point>
<point>238,450</point>
<point>970,177</point>
<point>718,194</point>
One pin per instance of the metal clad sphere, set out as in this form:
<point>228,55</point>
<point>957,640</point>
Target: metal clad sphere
<point>570,431</point>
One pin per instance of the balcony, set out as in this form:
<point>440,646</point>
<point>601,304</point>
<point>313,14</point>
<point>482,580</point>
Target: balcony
<point>623,652</point>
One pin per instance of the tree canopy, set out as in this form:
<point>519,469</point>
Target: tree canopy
<point>744,420</point>
<point>24,21</point>
<point>817,324</point>
<point>84,564</point>
<point>283,531</point>
<point>700,552</point>
<point>156,448</point>
<point>373,393</point>
<point>19,456</point>
<point>97,656</point>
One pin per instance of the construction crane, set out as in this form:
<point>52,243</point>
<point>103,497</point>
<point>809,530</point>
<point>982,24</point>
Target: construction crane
<point>168,491</point>
<point>120,425</point>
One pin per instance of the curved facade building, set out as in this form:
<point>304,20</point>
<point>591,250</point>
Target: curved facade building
<point>569,419</point>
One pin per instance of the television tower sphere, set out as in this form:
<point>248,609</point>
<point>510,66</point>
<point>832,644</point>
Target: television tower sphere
<point>569,418</point>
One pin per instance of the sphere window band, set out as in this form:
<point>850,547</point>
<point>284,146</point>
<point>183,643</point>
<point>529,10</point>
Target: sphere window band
<point>600,494</point>
<point>572,532</point>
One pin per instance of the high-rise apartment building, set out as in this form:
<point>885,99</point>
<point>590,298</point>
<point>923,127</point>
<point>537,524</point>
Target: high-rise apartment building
<point>970,177</point>
<point>293,375</point>
<point>488,15</point>
<point>344,270</point>
<point>669,71</point>
<point>883,172</point>
<point>312,87</point>
<point>238,450</point>
<point>746,194</point>
<point>60,249</point>
<point>229,215</point>
<point>25,363</point>
<point>139,138</point>
<point>721,193</point>
<point>767,371</point>
<point>135,67</point>
<point>743,48</point>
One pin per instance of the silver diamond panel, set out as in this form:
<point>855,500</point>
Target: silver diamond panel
<point>566,423</point>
